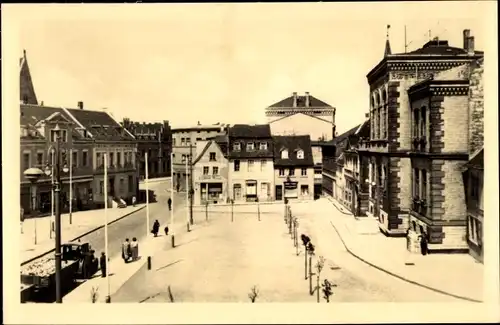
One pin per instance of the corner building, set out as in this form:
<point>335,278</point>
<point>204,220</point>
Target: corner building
<point>391,117</point>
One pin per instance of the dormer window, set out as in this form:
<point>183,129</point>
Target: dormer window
<point>237,146</point>
<point>250,146</point>
<point>263,146</point>
<point>62,134</point>
<point>300,154</point>
<point>284,154</point>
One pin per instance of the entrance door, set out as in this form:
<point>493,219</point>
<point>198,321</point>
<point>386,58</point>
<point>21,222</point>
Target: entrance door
<point>279,192</point>
<point>111,186</point>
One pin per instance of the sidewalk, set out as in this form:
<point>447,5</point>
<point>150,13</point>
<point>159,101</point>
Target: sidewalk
<point>156,180</point>
<point>364,241</point>
<point>83,223</point>
<point>121,272</point>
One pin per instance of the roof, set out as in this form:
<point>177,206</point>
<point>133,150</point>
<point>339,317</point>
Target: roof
<point>438,47</point>
<point>259,131</point>
<point>100,124</point>
<point>26,89</point>
<point>207,145</point>
<point>147,131</point>
<point>340,141</point>
<point>476,160</point>
<point>199,127</point>
<point>293,144</point>
<point>301,102</point>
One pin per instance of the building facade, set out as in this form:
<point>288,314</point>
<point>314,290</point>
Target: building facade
<point>293,168</point>
<point>210,174</point>
<point>301,115</point>
<point>390,144</point>
<point>184,149</point>
<point>155,139</point>
<point>251,170</point>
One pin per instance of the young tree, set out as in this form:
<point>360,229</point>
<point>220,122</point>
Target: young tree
<point>94,294</point>
<point>327,290</point>
<point>319,267</point>
<point>254,293</point>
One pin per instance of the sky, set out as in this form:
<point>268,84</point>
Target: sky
<point>226,62</point>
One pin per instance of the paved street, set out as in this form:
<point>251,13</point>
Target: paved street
<point>135,224</point>
<point>221,260</point>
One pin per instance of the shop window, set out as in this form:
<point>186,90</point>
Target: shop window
<point>304,190</point>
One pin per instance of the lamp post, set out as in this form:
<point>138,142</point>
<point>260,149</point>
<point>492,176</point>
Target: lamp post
<point>33,175</point>
<point>57,198</point>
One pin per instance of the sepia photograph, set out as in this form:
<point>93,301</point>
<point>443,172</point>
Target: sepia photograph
<point>312,153</point>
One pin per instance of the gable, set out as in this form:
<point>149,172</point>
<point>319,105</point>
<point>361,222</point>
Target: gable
<point>211,146</point>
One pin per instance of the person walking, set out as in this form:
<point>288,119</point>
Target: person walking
<point>423,243</point>
<point>169,204</point>
<point>126,251</point>
<point>103,263</point>
<point>166,230</point>
<point>156,228</point>
<point>134,247</point>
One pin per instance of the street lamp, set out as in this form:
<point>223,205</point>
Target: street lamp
<point>57,198</point>
<point>33,175</point>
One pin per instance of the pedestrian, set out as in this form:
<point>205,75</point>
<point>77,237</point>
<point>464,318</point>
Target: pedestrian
<point>166,230</point>
<point>103,264</point>
<point>133,201</point>
<point>126,252</point>
<point>169,204</point>
<point>156,228</point>
<point>423,243</point>
<point>134,247</point>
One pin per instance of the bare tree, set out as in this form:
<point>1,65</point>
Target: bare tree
<point>254,293</point>
<point>320,264</point>
<point>94,294</point>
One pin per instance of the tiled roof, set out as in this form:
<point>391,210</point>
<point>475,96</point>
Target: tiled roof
<point>32,114</point>
<point>301,102</point>
<point>101,125</point>
<point>207,145</point>
<point>259,131</point>
<point>293,144</point>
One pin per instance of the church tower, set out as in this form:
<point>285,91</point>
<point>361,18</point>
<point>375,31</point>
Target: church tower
<point>27,91</point>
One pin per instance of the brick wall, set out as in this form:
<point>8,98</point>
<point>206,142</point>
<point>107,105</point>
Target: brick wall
<point>476,107</point>
<point>455,117</point>
<point>454,238</point>
<point>393,114</point>
<point>437,190</point>
<point>436,124</point>
<point>405,198</point>
<point>454,197</point>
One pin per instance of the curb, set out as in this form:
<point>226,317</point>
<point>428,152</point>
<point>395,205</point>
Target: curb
<point>400,277</point>
<point>340,210</point>
<point>83,235</point>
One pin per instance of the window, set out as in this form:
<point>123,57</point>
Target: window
<point>250,146</point>
<point>183,141</point>
<point>205,170</point>
<point>131,184</point>
<point>416,183</point>
<point>237,146</point>
<point>99,161</point>
<point>183,159</point>
<point>188,141</point>
<point>215,170</point>
<point>122,185</point>
<point>101,187</point>
<point>282,172</point>
<point>26,161</point>
<point>284,154</point>
<point>212,156</point>
<point>263,164</point>
<point>424,184</point>
<point>85,158</point>
<point>304,190</point>
<point>415,123</point>
<point>111,159</point>
<point>39,159</point>
<point>423,121</point>
<point>250,166</point>
<point>475,230</point>
<point>303,172</point>
<point>173,141</point>
<point>74,159</point>
<point>237,191</point>
<point>291,172</point>
<point>300,154</point>
<point>236,165</point>
<point>263,146</point>
<point>199,139</point>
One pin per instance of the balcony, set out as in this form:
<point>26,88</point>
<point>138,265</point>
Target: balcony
<point>373,145</point>
<point>419,143</point>
<point>419,206</point>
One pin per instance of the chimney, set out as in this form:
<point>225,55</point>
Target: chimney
<point>294,99</point>
<point>80,105</point>
<point>470,45</point>
<point>308,102</point>
<point>367,115</point>
<point>466,38</point>
<point>41,103</point>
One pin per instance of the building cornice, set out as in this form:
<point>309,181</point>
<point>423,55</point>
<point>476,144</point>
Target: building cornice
<point>432,87</point>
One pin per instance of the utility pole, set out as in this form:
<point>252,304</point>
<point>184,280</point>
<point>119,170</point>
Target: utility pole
<point>191,190</point>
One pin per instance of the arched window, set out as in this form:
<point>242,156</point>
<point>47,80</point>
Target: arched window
<point>377,99</point>
<point>384,97</point>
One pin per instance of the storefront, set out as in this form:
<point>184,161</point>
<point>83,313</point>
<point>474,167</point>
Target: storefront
<point>213,192</point>
<point>251,190</point>
<point>291,190</point>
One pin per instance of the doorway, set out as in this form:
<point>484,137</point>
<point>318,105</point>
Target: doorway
<point>111,186</point>
<point>279,192</point>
